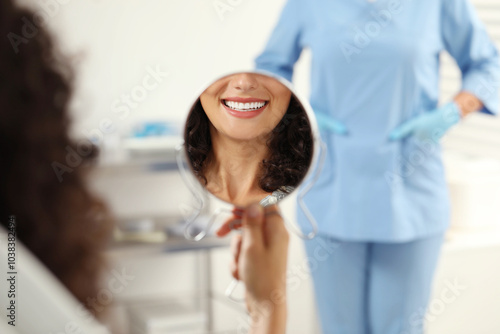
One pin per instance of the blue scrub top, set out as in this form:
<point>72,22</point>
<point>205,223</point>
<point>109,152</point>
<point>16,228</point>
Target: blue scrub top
<point>374,66</point>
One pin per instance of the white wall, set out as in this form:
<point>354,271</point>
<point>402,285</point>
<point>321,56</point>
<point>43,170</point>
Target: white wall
<point>114,41</point>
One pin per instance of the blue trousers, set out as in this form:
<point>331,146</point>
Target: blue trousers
<point>372,288</point>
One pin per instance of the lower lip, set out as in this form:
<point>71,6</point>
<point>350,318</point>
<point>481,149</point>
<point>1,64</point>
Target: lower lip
<point>244,114</point>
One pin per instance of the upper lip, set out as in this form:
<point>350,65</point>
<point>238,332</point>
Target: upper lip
<point>244,99</point>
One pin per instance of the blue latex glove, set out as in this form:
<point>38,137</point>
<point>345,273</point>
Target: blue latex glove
<point>429,125</point>
<point>327,123</point>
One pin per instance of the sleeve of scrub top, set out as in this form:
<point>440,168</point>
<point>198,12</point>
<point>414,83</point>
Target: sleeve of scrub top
<point>467,40</point>
<point>284,47</point>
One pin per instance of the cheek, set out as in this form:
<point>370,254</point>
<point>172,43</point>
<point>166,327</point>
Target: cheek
<point>278,111</point>
<point>211,110</point>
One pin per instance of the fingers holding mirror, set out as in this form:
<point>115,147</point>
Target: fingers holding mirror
<point>248,138</point>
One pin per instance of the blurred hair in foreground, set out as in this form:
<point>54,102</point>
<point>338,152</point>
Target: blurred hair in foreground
<point>58,219</point>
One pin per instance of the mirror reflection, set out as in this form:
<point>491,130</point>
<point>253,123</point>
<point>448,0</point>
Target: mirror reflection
<point>248,139</point>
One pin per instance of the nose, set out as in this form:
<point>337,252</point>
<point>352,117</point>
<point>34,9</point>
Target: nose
<point>244,82</point>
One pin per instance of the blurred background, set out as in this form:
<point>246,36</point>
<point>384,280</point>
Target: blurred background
<point>139,66</point>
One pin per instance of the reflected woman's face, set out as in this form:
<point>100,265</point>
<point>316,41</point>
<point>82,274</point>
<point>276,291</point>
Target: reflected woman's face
<point>245,106</point>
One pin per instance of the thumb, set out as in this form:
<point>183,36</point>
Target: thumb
<point>403,130</point>
<point>253,221</point>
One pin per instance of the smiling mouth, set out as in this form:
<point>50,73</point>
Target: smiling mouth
<point>244,107</point>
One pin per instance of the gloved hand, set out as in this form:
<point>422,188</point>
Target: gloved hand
<point>429,125</point>
<point>327,123</point>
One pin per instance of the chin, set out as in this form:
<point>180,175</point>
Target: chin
<point>247,135</point>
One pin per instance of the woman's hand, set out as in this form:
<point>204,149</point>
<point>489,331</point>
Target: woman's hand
<point>233,223</point>
<point>429,125</point>
<point>259,259</point>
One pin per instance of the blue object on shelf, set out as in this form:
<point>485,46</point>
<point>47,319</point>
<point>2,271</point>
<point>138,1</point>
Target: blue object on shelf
<point>153,129</point>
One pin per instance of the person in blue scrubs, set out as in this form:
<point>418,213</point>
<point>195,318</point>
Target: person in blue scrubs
<point>381,201</point>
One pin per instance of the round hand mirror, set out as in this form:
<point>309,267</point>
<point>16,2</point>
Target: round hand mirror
<point>249,138</point>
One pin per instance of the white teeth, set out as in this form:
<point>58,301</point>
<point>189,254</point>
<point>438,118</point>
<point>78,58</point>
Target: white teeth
<point>244,106</point>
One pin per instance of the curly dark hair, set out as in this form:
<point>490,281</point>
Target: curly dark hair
<point>290,147</point>
<point>57,219</point>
